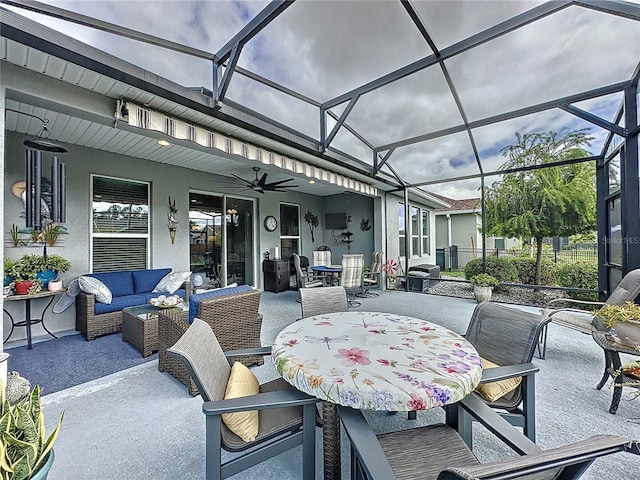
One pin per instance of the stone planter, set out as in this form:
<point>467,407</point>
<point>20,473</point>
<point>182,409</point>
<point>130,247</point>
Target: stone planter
<point>482,294</point>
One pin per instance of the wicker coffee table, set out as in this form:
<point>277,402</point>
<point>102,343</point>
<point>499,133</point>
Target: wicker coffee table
<point>140,327</point>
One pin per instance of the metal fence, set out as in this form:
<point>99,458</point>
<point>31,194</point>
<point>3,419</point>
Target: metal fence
<point>455,258</point>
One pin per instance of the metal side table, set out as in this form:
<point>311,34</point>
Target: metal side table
<point>28,321</point>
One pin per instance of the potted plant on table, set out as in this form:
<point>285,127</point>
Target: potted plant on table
<point>24,273</point>
<point>623,320</point>
<point>483,285</point>
<point>27,453</point>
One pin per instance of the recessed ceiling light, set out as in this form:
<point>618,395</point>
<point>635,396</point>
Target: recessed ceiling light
<point>312,181</point>
<point>164,143</point>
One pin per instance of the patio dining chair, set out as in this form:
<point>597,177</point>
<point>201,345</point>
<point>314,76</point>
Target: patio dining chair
<point>439,452</point>
<point>285,416</point>
<point>303,280</point>
<point>323,300</point>
<point>372,276</point>
<point>351,277</point>
<point>321,258</point>
<point>581,320</point>
<point>507,338</point>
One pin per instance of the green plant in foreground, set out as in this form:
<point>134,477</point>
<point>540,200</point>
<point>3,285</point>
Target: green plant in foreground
<point>484,280</point>
<point>24,444</point>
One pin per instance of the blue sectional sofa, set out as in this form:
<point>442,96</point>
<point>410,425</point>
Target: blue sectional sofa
<point>129,288</point>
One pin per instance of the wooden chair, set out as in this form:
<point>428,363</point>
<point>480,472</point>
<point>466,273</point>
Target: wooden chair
<point>439,452</point>
<point>287,417</point>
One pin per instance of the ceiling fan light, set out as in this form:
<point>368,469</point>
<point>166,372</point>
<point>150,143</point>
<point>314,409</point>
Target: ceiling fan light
<point>163,142</point>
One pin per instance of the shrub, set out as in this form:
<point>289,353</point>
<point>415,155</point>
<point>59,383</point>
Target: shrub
<point>500,268</point>
<point>526,268</point>
<point>579,275</point>
<point>484,280</point>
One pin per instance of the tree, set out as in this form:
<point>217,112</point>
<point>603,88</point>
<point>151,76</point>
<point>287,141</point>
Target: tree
<point>558,200</point>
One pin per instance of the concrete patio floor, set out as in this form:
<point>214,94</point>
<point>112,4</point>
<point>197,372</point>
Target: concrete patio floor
<point>142,424</point>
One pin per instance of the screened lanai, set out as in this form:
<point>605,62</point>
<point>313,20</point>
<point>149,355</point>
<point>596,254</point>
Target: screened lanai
<point>401,94</point>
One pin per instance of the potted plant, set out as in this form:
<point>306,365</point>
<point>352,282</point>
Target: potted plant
<point>623,320</point>
<point>483,285</point>
<point>24,273</point>
<point>47,267</point>
<point>27,452</point>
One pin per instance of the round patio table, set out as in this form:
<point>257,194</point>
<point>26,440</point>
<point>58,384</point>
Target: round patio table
<point>374,361</point>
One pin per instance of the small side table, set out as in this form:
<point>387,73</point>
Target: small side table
<point>140,327</point>
<point>28,321</point>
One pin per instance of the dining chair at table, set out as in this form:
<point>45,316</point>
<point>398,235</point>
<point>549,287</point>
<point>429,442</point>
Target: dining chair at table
<point>321,258</point>
<point>265,420</point>
<point>323,300</point>
<point>506,339</point>
<point>351,276</point>
<point>371,277</point>
<point>399,455</point>
<point>305,280</point>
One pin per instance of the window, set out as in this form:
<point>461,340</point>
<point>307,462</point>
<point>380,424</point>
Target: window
<point>289,230</point>
<point>415,231</point>
<point>425,233</point>
<point>120,224</point>
<point>498,243</point>
<point>401,229</point>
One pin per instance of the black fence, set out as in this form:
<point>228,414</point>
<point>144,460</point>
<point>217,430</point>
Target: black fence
<point>455,258</point>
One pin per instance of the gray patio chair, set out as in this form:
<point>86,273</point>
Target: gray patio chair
<point>439,452</point>
<point>372,277</point>
<point>508,337</point>
<point>323,300</point>
<point>321,258</point>
<point>351,277</point>
<point>626,291</point>
<point>303,280</point>
<point>287,417</point>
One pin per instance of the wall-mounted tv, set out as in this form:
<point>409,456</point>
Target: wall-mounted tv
<point>335,221</point>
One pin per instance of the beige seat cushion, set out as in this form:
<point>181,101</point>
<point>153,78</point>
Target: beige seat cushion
<point>242,382</point>
<point>494,390</point>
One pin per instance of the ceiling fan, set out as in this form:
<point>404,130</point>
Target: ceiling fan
<point>260,185</point>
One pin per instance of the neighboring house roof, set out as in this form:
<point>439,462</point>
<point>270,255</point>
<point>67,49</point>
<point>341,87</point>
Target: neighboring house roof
<point>466,205</point>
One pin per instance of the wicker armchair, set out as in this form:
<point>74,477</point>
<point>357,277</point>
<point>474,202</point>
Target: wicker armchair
<point>234,319</point>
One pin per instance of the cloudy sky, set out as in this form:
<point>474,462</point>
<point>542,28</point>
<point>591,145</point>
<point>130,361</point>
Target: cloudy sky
<point>325,48</point>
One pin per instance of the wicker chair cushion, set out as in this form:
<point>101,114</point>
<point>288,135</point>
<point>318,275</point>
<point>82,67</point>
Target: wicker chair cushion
<point>194,300</point>
<point>171,282</point>
<point>118,303</point>
<point>96,287</point>
<point>494,390</point>
<point>242,383</point>
<point>120,283</point>
<point>401,450</point>
<point>145,280</point>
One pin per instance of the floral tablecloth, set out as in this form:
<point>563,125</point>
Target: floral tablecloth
<point>377,361</point>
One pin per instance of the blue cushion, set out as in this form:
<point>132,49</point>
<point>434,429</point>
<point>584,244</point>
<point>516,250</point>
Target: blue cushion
<point>194,300</point>
<point>146,280</point>
<point>120,283</point>
<point>118,303</point>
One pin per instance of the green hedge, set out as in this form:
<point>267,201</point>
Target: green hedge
<point>526,267</point>
<point>500,268</point>
<point>579,275</point>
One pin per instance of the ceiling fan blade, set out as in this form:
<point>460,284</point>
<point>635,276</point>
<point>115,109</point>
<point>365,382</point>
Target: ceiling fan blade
<point>281,183</point>
<point>242,179</point>
<point>263,180</point>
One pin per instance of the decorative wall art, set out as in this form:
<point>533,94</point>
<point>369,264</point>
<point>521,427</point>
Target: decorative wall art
<point>173,221</point>
<point>313,222</point>
<point>364,225</point>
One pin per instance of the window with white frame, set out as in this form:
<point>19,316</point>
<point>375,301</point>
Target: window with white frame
<point>425,232</point>
<point>120,224</point>
<point>415,231</point>
<point>289,229</point>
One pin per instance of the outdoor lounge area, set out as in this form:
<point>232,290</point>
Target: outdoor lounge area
<point>141,423</point>
<point>286,183</point>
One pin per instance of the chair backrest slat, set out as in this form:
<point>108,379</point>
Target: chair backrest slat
<point>352,267</point>
<point>321,258</point>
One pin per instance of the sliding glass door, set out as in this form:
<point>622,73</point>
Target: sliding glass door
<point>239,229</point>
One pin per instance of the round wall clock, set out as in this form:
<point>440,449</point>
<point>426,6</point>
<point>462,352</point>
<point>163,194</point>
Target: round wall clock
<point>270,223</point>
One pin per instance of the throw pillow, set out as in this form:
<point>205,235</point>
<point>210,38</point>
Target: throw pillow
<point>171,282</point>
<point>97,288</point>
<point>494,390</point>
<point>242,382</point>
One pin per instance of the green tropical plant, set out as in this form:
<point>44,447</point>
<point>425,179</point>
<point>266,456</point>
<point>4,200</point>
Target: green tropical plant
<point>56,263</point>
<point>25,446</point>
<point>11,267</point>
<point>543,202</point>
<point>612,314</point>
<point>484,280</point>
